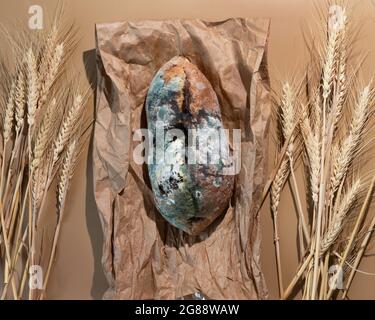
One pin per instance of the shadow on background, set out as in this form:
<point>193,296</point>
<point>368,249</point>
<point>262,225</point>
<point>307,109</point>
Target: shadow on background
<point>99,282</point>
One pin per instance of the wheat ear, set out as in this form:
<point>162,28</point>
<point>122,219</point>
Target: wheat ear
<point>312,145</point>
<point>20,100</point>
<point>329,65</point>
<point>339,217</point>
<point>345,153</point>
<point>66,128</point>
<point>65,176</point>
<point>32,86</point>
<point>66,172</point>
<point>9,114</point>
<point>288,116</point>
<point>53,69</point>
<point>316,121</point>
<point>39,176</point>
<point>47,54</point>
<point>341,83</point>
<point>44,135</point>
<point>278,185</point>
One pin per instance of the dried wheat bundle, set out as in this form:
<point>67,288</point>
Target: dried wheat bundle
<point>42,134</point>
<point>332,119</point>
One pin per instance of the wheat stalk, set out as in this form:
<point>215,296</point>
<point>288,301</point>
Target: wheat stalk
<point>275,193</point>
<point>65,177</point>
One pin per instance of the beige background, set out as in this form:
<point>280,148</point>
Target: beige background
<point>77,273</point>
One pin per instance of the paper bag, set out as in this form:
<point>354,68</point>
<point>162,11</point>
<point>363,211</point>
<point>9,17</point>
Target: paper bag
<point>144,257</point>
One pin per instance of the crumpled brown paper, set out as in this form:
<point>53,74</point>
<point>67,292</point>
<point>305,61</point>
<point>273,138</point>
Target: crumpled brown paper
<point>144,257</point>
